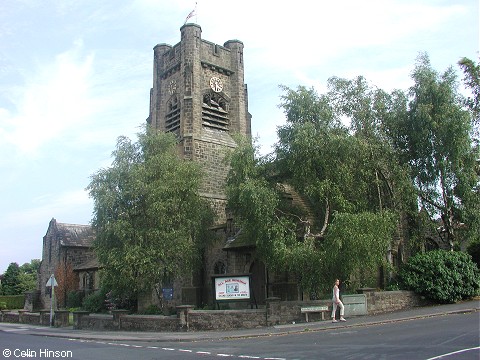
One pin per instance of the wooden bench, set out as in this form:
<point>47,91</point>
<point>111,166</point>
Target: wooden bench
<point>314,309</point>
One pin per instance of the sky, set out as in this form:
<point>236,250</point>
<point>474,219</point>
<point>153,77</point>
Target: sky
<point>76,74</point>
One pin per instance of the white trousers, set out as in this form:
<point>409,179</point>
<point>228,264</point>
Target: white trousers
<point>334,310</point>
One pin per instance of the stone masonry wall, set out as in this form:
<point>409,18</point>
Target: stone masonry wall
<point>276,313</point>
<point>149,323</point>
<point>387,301</point>
<point>226,319</point>
<point>287,312</point>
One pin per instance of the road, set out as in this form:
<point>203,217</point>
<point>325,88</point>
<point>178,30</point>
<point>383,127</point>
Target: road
<point>453,336</point>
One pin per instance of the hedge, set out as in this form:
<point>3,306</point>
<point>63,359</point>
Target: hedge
<point>13,301</point>
<point>442,276</point>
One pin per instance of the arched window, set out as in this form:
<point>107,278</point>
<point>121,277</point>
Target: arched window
<point>219,268</point>
<point>88,281</point>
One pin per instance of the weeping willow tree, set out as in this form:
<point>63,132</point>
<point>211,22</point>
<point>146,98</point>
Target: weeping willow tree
<point>353,183</point>
<point>149,218</point>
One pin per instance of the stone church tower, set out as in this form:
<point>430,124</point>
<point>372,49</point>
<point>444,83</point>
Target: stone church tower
<point>199,94</point>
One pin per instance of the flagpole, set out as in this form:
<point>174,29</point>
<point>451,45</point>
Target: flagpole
<point>196,13</point>
<point>191,14</point>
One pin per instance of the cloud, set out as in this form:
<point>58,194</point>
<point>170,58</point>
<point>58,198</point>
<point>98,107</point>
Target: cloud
<point>56,98</point>
<point>43,206</point>
<point>310,34</point>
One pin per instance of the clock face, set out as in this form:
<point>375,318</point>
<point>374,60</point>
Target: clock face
<point>216,84</point>
<point>172,86</point>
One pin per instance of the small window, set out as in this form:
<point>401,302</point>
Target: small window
<point>219,268</point>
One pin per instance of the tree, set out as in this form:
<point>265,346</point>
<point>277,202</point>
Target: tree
<point>434,140</point>
<point>11,279</point>
<point>358,243</point>
<point>149,218</point>
<point>31,267</point>
<point>471,79</point>
<point>27,280</point>
<point>265,217</point>
<point>348,175</point>
<point>472,213</point>
<point>362,158</point>
<point>19,279</point>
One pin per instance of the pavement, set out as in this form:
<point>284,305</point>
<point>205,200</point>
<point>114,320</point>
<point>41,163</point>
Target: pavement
<point>367,320</point>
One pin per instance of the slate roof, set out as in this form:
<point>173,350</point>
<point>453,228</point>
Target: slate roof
<point>239,241</point>
<point>75,235</point>
<point>91,264</point>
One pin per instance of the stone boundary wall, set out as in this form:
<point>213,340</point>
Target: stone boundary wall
<point>287,312</point>
<point>149,323</point>
<point>387,301</point>
<point>276,312</point>
<point>35,318</point>
<point>226,319</point>
<point>86,321</point>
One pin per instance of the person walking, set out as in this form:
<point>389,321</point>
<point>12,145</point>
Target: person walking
<point>337,302</point>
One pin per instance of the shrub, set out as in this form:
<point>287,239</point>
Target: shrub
<point>74,299</point>
<point>3,305</point>
<point>441,276</point>
<point>13,301</point>
<point>114,300</point>
<point>152,310</point>
<point>474,250</point>
<point>95,302</point>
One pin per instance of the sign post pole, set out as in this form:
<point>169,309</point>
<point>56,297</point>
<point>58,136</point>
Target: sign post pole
<point>52,282</point>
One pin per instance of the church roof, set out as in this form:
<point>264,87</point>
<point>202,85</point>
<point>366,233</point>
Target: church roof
<point>239,241</point>
<point>87,265</point>
<point>75,235</point>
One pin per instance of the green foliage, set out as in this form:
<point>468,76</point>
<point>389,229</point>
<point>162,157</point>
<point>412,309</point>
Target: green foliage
<point>352,174</point>
<point>3,305</point>
<point>344,169</point>
<point>149,218</point>
<point>152,310</point>
<point>115,300</point>
<point>471,79</point>
<point>74,299</point>
<point>31,267</point>
<point>357,244</point>
<point>441,276</point>
<point>474,250</point>
<point>13,301</point>
<point>19,279</point>
<point>26,282</point>
<point>353,242</point>
<point>393,286</point>
<point>95,302</point>
<point>434,139</point>
<point>11,280</point>
<point>27,278</point>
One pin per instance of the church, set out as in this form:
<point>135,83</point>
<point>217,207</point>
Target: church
<point>198,94</point>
